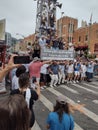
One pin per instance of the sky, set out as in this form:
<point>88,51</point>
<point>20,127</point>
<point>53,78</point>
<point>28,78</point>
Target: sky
<point>20,15</point>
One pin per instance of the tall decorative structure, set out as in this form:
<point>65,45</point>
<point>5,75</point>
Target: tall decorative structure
<point>46,17</point>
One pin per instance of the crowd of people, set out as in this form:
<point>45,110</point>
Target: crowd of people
<point>16,110</point>
<point>59,72</point>
<point>52,73</point>
<point>26,82</point>
<point>47,43</point>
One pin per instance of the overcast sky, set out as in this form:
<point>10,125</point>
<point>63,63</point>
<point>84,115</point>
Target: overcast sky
<point>20,15</point>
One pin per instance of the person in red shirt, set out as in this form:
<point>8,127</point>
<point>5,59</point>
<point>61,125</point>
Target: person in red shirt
<point>34,68</point>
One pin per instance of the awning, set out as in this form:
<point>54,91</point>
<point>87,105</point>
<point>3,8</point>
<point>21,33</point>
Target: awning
<point>81,48</point>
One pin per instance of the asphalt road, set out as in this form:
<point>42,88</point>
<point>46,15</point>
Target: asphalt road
<point>85,94</point>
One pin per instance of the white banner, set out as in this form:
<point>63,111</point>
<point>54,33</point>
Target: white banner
<point>48,54</point>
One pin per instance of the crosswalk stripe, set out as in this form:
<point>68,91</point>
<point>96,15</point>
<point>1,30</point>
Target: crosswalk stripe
<point>69,89</point>
<point>77,85</point>
<point>49,105</point>
<point>89,85</point>
<point>95,83</point>
<point>87,112</point>
<point>95,101</point>
<point>36,126</point>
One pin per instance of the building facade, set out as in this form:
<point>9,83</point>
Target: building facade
<point>85,37</point>
<point>8,39</point>
<point>66,27</point>
<point>23,44</point>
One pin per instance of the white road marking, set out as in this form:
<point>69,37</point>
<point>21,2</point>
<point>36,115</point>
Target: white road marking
<point>49,105</point>
<point>36,126</point>
<point>95,83</point>
<point>95,101</point>
<point>77,85</point>
<point>89,85</point>
<point>69,89</point>
<point>87,112</point>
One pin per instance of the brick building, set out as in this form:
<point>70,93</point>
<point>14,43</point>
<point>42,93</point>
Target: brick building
<point>83,38</point>
<point>66,27</point>
<point>87,36</point>
<point>24,43</point>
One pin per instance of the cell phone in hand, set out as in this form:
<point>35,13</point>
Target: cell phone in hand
<point>0,64</point>
<point>21,59</point>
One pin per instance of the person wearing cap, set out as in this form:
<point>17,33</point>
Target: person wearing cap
<point>42,42</point>
<point>34,68</point>
<point>54,70</point>
<point>60,118</point>
<point>90,71</point>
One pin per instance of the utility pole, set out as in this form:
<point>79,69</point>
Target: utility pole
<point>61,23</point>
<point>89,33</point>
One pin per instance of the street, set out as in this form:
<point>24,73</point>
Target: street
<point>85,94</point>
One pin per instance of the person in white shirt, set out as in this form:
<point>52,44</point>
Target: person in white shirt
<point>70,72</point>
<point>83,71</point>
<point>42,42</point>
<point>61,73</point>
<point>43,77</point>
<point>19,71</point>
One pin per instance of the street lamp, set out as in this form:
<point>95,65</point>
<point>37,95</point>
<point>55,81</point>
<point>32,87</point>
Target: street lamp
<point>20,35</point>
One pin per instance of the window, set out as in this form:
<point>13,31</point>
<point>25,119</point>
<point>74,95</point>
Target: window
<point>29,43</point>
<point>96,47</point>
<point>86,38</point>
<point>70,28</point>
<point>79,38</point>
<point>70,39</point>
<point>96,33</point>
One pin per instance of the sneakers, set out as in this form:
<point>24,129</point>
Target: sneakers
<point>74,82</point>
<point>51,86</point>
<point>70,81</point>
<point>42,88</point>
<point>67,82</point>
<point>62,82</point>
<point>77,81</point>
<point>58,83</point>
<point>55,85</point>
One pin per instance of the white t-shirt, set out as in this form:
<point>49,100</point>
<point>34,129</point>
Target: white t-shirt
<point>2,86</point>
<point>44,69</point>
<point>62,68</point>
<point>70,68</point>
<point>83,68</point>
<point>42,43</point>
<point>15,84</point>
